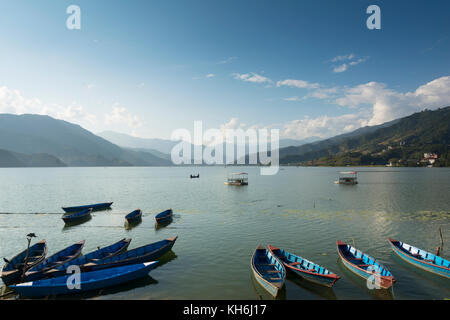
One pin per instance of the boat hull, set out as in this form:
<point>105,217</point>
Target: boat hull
<point>77,217</point>
<point>320,275</point>
<point>11,275</point>
<point>430,267</point>
<point>134,216</point>
<point>383,281</point>
<point>94,207</point>
<point>89,281</point>
<point>275,267</point>
<point>164,217</point>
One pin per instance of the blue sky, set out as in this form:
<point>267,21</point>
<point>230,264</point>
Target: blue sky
<point>309,68</point>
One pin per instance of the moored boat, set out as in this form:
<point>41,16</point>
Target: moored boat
<point>269,272</point>
<point>164,216</point>
<point>13,269</point>
<point>88,281</point>
<point>304,268</point>
<point>347,178</point>
<point>365,266</point>
<point>96,255</point>
<point>237,179</point>
<point>134,216</point>
<point>421,258</point>
<point>146,253</point>
<point>63,256</point>
<point>77,216</point>
<point>94,207</point>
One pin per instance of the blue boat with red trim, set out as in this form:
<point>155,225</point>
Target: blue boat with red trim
<point>164,216</point>
<point>88,281</point>
<point>365,266</point>
<point>134,216</point>
<point>304,268</point>
<point>269,272</point>
<point>421,258</point>
<point>94,207</point>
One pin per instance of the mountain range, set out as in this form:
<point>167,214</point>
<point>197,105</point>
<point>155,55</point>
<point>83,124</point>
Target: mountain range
<point>40,141</point>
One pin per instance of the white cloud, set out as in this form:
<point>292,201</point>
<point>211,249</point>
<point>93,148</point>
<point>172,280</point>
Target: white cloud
<point>120,115</point>
<point>350,61</point>
<point>387,104</point>
<point>343,57</point>
<point>302,84</point>
<point>292,99</point>
<point>210,75</point>
<point>12,101</point>
<point>252,77</point>
<point>227,60</point>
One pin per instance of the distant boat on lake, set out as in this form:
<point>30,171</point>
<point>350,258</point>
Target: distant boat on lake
<point>94,207</point>
<point>77,217</point>
<point>134,216</point>
<point>164,216</point>
<point>237,179</point>
<point>195,176</point>
<point>347,177</point>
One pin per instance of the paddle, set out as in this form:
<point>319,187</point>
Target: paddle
<point>24,269</point>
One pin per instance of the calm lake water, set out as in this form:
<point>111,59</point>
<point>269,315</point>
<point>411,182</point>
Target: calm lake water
<point>219,226</point>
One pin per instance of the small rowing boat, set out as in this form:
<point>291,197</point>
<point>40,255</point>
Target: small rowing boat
<point>63,256</point>
<point>365,266</point>
<point>94,207</point>
<point>164,216</point>
<point>101,253</point>
<point>421,258</point>
<point>304,268</point>
<point>88,281</point>
<point>268,270</point>
<point>77,216</point>
<point>14,268</point>
<point>149,252</point>
<point>134,216</point>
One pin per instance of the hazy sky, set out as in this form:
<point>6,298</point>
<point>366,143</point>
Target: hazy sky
<point>309,68</point>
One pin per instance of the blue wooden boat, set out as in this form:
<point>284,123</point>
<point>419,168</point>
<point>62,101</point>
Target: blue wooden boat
<point>88,281</point>
<point>364,265</point>
<point>100,253</point>
<point>63,256</point>
<point>14,268</point>
<point>77,216</point>
<point>94,207</point>
<point>164,216</point>
<point>269,272</point>
<point>142,254</point>
<point>421,258</point>
<point>134,216</point>
<point>304,268</point>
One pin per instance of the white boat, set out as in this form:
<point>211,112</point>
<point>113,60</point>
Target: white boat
<point>237,179</point>
<point>347,177</point>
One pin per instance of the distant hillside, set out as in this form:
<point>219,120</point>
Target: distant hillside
<point>403,142</point>
<point>14,159</point>
<point>73,145</point>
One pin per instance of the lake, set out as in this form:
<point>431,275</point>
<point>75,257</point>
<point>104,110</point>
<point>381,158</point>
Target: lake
<point>299,209</point>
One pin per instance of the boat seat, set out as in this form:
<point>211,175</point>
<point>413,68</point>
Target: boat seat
<point>363,265</point>
<point>356,258</point>
<point>272,271</point>
<point>294,263</point>
<point>312,270</point>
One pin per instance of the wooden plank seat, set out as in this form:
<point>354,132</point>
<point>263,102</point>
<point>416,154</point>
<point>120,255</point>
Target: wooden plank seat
<point>295,263</point>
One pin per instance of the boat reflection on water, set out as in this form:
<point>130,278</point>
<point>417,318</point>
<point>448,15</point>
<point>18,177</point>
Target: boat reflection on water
<point>422,274</point>
<point>313,288</point>
<point>69,225</point>
<point>263,294</point>
<point>380,294</point>
<point>131,225</point>
<point>161,225</point>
